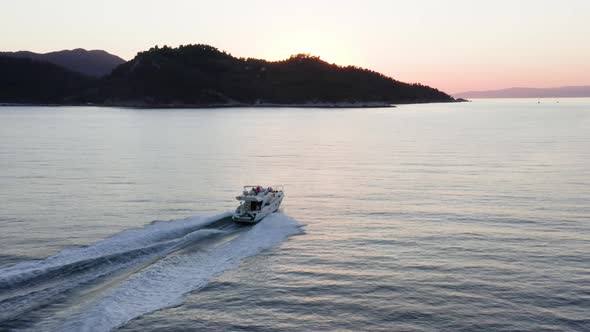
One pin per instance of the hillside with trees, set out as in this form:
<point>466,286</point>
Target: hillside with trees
<point>27,81</point>
<point>203,76</point>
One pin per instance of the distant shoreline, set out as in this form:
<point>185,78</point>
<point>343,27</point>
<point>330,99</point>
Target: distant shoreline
<point>234,105</point>
<point>535,98</point>
<point>255,105</point>
<point>228,105</point>
<point>582,91</point>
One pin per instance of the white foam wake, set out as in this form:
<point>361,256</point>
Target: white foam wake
<point>161,233</point>
<point>164,283</point>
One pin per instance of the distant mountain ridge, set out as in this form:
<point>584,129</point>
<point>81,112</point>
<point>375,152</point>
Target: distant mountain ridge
<point>558,92</point>
<point>95,63</point>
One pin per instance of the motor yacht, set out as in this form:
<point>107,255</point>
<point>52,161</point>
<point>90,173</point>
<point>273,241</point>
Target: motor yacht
<point>257,202</point>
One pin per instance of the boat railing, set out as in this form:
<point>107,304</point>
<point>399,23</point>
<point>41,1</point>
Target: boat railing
<point>275,188</point>
<point>248,190</point>
<point>279,187</point>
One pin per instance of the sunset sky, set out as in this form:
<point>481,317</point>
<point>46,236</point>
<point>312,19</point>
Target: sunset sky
<point>453,45</point>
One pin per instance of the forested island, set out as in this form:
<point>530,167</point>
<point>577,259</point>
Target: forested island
<point>203,76</point>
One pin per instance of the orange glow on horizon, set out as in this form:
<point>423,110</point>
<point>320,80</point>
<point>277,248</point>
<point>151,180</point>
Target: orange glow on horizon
<point>327,47</point>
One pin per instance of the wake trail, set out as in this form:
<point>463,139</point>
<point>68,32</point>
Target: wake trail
<point>164,283</point>
<point>29,285</point>
<point>134,272</point>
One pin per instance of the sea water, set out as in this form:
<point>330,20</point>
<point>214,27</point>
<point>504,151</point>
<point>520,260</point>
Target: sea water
<point>455,217</point>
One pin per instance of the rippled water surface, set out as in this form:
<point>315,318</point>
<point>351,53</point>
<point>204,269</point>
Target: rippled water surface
<point>452,217</point>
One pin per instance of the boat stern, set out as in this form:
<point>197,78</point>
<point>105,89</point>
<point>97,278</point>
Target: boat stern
<point>245,218</point>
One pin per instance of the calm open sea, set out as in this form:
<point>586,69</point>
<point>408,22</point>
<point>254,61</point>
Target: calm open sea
<point>439,217</point>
